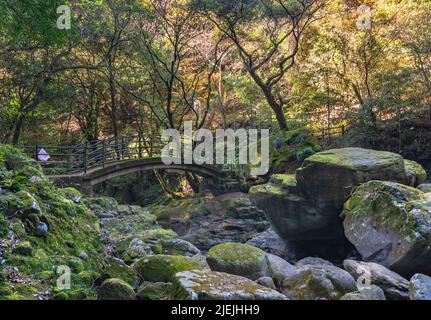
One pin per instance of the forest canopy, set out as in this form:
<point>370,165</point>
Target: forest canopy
<point>139,66</point>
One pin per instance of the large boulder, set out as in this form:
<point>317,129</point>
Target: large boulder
<point>390,224</point>
<point>239,259</point>
<point>420,287</point>
<point>369,294</point>
<point>211,285</point>
<point>269,241</point>
<point>394,286</point>
<point>328,177</point>
<point>291,215</point>
<point>154,291</point>
<point>162,268</point>
<point>416,174</point>
<point>116,289</point>
<point>318,283</point>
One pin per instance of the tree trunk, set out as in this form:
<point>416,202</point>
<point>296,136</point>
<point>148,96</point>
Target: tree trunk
<point>18,129</point>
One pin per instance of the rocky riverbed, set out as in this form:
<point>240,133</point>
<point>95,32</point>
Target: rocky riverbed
<point>351,224</point>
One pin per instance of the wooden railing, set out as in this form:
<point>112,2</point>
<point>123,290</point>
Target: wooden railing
<point>99,153</point>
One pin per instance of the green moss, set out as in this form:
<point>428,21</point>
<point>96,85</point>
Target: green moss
<point>116,289</point>
<point>4,226</point>
<point>109,204</point>
<point>284,180</point>
<point>236,252</point>
<point>389,204</point>
<point>154,291</point>
<point>23,249</point>
<point>162,268</point>
<point>268,188</point>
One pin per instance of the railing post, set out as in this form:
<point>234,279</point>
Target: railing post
<point>85,156</point>
<point>104,153</point>
<point>36,153</point>
<point>122,148</point>
<point>343,130</point>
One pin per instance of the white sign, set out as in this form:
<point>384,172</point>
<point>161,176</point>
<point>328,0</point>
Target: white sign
<point>43,155</point>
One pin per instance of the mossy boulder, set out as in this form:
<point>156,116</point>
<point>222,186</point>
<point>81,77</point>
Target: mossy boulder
<point>106,203</point>
<point>178,247</point>
<point>116,268</point>
<point>416,174</point>
<point>239,259</point>
<point>116,289</point>
<point>154,291</point>
<point>327,178</point>
<point>394,286</point>
<point>390,224</point>
<point>420,287</point>
<point>318,283</point>
<point>371,293</point>
<point>23,249</point>
<point>13,159</point>
<point>21,204</point>
<point>162,268</point>
<point>211,285</point>
<point>425,188</point>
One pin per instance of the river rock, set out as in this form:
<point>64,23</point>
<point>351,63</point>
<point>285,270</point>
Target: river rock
<point>179,247</point>
<point>154,291</point>
<point>420,287</point>
<point>211,285</point>
<point>116,289</point>
<point>394,286</point>
<point>162,268</point>
<point>318,283</point>
<point>312,261</point>
<point>416,174</point>
<point>269,241</point>
<point>369,293</point>
<point>266,282</point>
<point>21,205</point>
<point>116,268</point>
<point>390,224</point>
<point>425,188</point>
<point>239,259</point>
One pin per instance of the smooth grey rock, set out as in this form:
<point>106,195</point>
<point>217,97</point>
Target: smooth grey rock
<point>179,247</point>
<point>318,283</point>
<point>83,255</point>
<point>211,285</point>
<point>266,282</point>
<point>368,293</point>
<point>41,230</point>
<point>394,286</point>
<point>420,287</point>
<point>269,241</point>
<point>312,261</point>
<point>425,187</point>
<point>279,265</point>
<point>390,224</point>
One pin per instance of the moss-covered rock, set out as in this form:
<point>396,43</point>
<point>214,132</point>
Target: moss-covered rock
<point>162,268</point>
<point>318,283</point>
<point>106,203</point>
<point>371,293</point>
<point>425,188</point>
<point>116,289</point>
<point>239,259</point>
<point>154,291</point>
<point>116,268</point>
<point>390,224</point>
<point>178,247</point>
<point>21,204</point>
<point>210,285</point>
<point>23,249</point>
<point>416,174</point>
